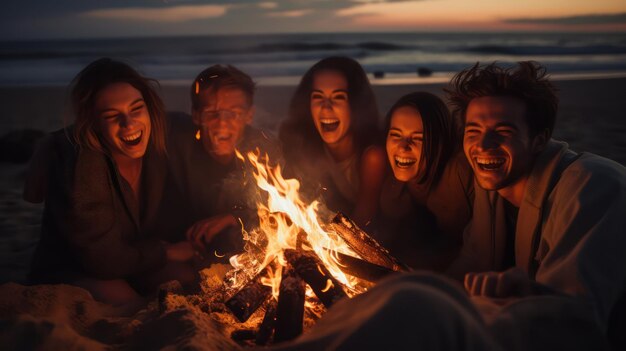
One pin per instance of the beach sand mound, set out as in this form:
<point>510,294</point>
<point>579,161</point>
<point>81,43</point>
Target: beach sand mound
<point>63,317</point>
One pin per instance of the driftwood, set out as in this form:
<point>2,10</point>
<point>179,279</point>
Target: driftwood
<point>313,271</point>
<point>363,244</point>
<point>290,309</point>
<point>250,297</point>
<point>266,328</point>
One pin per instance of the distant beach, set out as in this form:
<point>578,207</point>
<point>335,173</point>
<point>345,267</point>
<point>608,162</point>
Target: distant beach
<point>288,56</point>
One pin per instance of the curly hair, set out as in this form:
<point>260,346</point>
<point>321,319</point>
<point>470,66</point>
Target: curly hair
<point>527,81</point>
<point>299,127</point>
<point>441,136</point>
<point>95,77</point>
<point>218,76</point>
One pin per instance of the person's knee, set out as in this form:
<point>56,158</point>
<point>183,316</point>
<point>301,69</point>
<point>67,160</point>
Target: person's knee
<point>115,292</point>
<point>402,312</point>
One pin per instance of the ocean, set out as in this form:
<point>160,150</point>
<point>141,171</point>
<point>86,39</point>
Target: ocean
<point>282,59</point>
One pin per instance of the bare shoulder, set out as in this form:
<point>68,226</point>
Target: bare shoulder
<point>373,157</point>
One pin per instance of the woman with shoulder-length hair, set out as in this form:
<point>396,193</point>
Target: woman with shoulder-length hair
<point>104,180</point>
<point>427,200</point>
<point>330,137</point>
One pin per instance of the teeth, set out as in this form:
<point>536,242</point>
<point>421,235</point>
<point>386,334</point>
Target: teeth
<point>490,160</point>
<point>404,162</point>
<point>132,137</point>
<point>405,159</point>
<point>329,120</point>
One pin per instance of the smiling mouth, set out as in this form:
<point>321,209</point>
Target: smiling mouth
<point>329,124</point>
<point>222,138</point>
<point>133,139</point>
<point>490,163</point>
<point>404,162</point>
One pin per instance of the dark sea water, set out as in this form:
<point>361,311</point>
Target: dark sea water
<point>283,58</point>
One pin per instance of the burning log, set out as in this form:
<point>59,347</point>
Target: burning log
<point>243,335</point>
<point>364,245</point>
<point>310,268</point>
<point>250,297</point>
<point>267,325</point>
<point>362,269</point>
<point>290,309</point>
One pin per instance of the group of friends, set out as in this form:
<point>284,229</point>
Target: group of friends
<point>475,189</point>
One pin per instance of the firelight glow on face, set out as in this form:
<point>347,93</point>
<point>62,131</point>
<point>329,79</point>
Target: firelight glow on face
<point>222,117</point>
<point>404,142</point>
<point>124,121</point>
<point>330,107</point>
<point>496,141</point>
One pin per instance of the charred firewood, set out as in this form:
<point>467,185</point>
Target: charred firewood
<point>266,329</point>
<point>363,244</point>
<point>250,297</point>
<point>243,335</point>
<point>359,268</point>
<point>290,309</point>
<point>301,239</point>
<point>311,269</point>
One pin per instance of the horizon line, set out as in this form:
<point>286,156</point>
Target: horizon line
<point>451,31</point>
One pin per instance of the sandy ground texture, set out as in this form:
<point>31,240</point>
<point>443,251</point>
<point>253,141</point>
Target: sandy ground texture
<point>591,118</point>
<point>64,317</point>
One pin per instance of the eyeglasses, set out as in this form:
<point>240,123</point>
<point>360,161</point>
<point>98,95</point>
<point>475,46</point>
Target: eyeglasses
<point>227,115</point>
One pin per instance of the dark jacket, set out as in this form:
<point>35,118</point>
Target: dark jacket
<point>200,187</point>
<point>423,223</point>
<point>92,223</point>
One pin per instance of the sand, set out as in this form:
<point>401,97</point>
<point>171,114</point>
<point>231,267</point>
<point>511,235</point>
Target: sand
<point>591,118</point>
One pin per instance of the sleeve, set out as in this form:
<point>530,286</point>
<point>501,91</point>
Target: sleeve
<point>455,202</point>
<point>94,226</point>
<point>582,251</point>
<point>35,180</point>
<point>468,258</point>
<point>478,253</point>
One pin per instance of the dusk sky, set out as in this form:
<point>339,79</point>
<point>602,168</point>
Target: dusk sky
<point>35,19</point>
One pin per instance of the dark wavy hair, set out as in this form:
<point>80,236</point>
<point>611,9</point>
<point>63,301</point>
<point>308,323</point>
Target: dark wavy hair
<point>218,76</point>
<point>527,81</point>
<point>95,77</point>
<point>441,133</point>
<point>299,127</point>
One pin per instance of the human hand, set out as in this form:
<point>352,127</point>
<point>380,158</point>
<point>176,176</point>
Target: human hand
<point>202,232</point>
<point>180,252</point>
<point>512,282</point>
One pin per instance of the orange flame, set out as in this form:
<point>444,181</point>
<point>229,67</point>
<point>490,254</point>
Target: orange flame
<point>281,219</point>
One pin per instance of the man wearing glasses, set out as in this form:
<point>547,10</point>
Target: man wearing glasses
<point>211,191</point>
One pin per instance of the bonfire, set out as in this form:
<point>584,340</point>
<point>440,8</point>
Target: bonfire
<point>294,266</point>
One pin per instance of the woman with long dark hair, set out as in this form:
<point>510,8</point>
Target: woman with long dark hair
<point>105,177</point>
<point>330,137</point>
<point>427,200</point>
